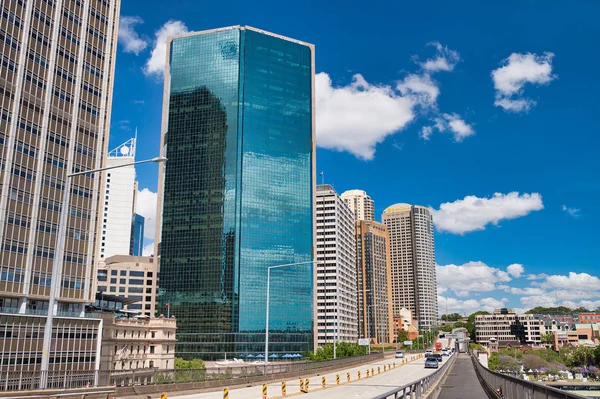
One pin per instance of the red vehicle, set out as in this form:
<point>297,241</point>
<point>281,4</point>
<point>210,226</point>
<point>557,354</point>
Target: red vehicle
<point>438,346</point>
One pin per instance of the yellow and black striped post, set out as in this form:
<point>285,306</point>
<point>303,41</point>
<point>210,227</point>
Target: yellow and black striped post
<point>348,376</point>
<point>378,370</point>
<point>394,364</point>
<point>372,372</point>
<point>323,382</point>
<point>264,391</point>
<point>384,368</point>
<point>283,389</point>
<point>163,396</point>
<point>226,393</point>
<point>359,374</point>
<point>367,373</point>
<point>306,384</point>
<point>301,385</point>
<point>337,379</point>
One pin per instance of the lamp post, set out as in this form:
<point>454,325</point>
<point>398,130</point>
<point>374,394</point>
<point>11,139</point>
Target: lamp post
<point>267,310</point>
<point>58,261</point>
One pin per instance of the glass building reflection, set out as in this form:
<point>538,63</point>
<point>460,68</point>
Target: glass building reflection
<point>237,192</point>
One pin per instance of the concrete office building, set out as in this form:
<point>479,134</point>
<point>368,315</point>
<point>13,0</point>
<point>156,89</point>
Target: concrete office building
<point>507,327</point>
<point>133,277</point>
<point>237,195</point>
<point>119,198</point>
<point>56,80</point>
<point>360,203</point>
<point>414,283</point>
<point>375,317</point>
<point>336,269</point>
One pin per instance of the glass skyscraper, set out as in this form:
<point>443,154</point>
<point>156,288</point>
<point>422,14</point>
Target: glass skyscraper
<point>237,194</point>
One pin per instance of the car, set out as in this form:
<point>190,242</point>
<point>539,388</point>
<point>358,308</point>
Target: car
<point>399,355</point>
<point>428,353</point>
<point>438,357</point>
<point>431,363</point>
<point>445,352</point>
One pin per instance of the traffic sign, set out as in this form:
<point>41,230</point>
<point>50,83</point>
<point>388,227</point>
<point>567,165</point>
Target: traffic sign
<point>363,341</point>
<point>407,343</point>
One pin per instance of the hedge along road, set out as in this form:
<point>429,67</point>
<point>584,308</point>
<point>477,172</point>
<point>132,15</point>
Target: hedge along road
<point>381,383</point>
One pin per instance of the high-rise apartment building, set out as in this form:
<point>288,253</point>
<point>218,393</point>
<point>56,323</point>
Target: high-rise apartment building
<point>375,317</point>
<point>56,79</point>
<point>505,325</point>
<point>238,192</point>
<point>361,204</point>
<point>414,283</point>
<point>119,201</point>
<point>336,269</point>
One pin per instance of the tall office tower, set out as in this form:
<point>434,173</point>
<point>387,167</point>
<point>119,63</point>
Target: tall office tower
<point>119,201</point>
<point>361,204</point>
<point>237,194</point>
<point>336,269</point>
<point>414,284</point>
<point>56,82</point>
<point>375,318</point>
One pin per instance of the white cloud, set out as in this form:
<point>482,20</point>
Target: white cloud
<point>525,291</point>
<point>146,206</point>
<point>471,276</point>
<point>356,117</point>
<point>572,211</point>
<point>466,307</point>
<point>575,281</point>
<point>473,213</point>
<point>445,59</point>
<point>155,65</point>
<point>515,270</point>
<point>452,122</point>
<point>128,37</point>
<point>148,249</point>
<point>517,71</point>
<point>540,276</point>
<point>420,88</point>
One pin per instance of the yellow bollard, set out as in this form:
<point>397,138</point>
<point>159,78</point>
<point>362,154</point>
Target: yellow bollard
<point>372,372</point>
<point>348,376</point>
<point>301,385</point>
<point>163,396</point>
<point>283,389</point>
<point>306,385</point>
<point>323,382</point>
<point>367,373</point>
<point>337,379</point>
<point>394,364</point>
<point>264,391</point>
<point>359,375</point>
<point>378,370</point>
<point>226,393</point>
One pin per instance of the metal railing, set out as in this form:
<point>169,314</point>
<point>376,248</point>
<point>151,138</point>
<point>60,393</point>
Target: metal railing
<point>29,380</point>
<point>516,388</point>
<point>419,388</point>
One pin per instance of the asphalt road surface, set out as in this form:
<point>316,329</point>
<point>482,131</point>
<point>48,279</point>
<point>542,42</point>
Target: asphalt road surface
<point>356,389</point>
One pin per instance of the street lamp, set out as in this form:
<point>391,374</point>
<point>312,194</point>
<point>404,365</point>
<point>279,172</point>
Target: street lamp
<point>268,299</point>
<point>58,261</point>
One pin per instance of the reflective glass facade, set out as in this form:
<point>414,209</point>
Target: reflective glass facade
<point>237,192</point>
<point>136,246</point>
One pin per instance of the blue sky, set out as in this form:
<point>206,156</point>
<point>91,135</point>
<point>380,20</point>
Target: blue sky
<point>485,112</point>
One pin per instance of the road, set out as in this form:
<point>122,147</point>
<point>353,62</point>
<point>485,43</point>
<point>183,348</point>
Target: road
<point>363,389</point>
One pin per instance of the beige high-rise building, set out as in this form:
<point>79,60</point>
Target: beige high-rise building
<point>375,317</point>
<point>336,269</point>
<point>361,204</point>
<point>56,80</point>
<point>414,284</point>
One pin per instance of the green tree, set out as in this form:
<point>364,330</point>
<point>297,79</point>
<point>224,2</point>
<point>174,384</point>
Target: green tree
<point>471,317</point>
<point>494,362</point>
<point>402,336</point>
<point>342,350</point>
<point>451,317</point>
<point>547,338</point>
<point>543,310</point>
<point>446,328</point>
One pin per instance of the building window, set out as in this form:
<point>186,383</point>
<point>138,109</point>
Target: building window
<point>152,348</point>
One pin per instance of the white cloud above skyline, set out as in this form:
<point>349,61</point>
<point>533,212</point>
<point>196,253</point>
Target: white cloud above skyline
<point>515,270</point>
<point>470,277</point>
<point>155,65</point>
<point>473,213</point>
<point>574,212</point>
<point>517,71</point>
<point>445,59</point>
<point>129,39</point>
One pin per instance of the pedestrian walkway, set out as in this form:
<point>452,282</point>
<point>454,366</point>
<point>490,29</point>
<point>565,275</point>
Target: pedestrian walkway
<point>462,382</point>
